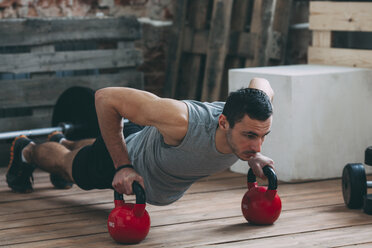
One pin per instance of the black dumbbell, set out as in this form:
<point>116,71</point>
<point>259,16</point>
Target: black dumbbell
<point>355,184</point>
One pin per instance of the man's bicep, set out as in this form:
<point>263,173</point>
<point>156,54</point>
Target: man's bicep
<point>126,102</point>
<point>147,109</point>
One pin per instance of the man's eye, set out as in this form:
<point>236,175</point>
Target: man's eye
<point>250,136</point>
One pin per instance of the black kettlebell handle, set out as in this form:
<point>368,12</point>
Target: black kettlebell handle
<point>269,173</point>
<point>138,191</point>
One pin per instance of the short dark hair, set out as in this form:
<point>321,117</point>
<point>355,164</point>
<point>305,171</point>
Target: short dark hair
<point>253,102</point>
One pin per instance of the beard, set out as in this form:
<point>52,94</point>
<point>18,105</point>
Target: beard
<point>243,155</point>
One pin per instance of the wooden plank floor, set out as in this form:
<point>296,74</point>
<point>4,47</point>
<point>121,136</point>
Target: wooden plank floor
<point>208,215</point>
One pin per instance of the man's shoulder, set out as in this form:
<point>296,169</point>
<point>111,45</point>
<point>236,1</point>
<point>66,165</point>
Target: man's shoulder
<point>198,105</point>
<point>204,112</point>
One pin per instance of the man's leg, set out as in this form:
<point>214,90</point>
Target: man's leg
<point>19,174</point>
<point>76,145</point>
<point>50,156</point>
<point>88,165</point>
<point>59,137</point>
<point>57,180</point>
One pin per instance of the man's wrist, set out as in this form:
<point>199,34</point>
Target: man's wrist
<point>123,166</point>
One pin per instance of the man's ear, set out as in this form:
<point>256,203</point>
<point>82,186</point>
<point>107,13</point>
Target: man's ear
<point>222,122</point>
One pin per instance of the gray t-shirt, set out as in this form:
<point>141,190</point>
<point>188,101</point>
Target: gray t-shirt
<point>168,171</point>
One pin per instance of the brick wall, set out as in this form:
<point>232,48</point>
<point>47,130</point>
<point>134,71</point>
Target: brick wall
<point>154,9</point>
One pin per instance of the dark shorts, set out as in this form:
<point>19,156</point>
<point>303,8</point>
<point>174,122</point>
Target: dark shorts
<point>92,167</point>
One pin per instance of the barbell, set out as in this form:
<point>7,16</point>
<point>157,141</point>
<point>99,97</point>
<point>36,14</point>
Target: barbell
<point>74,114</point>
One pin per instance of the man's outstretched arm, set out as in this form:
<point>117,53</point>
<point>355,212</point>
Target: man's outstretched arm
<point>169,116</point>
<point>259,160</point>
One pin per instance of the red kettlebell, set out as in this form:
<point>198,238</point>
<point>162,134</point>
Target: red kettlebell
<point>129,223</point>
<point>261,205</point>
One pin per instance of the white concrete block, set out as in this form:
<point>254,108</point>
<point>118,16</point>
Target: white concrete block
<point>322,118</point>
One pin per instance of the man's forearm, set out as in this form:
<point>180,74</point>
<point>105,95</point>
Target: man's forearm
<point>111,126</point>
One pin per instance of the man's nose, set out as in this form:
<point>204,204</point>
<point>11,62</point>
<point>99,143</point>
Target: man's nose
<point>256,146</point>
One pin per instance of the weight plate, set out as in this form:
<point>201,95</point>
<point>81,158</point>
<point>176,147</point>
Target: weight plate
<point>368,156</point>
<point>76,105</point>
<point>354,185</point>
<point>367,205</point>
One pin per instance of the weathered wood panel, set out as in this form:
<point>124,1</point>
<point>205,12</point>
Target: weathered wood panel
<point>41,94</point>
<point>340,56</point>
<point>39,117</point>
<point>218,44</point>
<point>45,91</point>
<point>260,26</point>
<point>21,32</point>
<point>45,56</point>
<point>341,16</point>
<point>278,34</point>
<point>175,49</point>
<point>241,44</point>
<point>327,17</point>
<point>244,33</point>
<point>190,75</point>
<point>322,38</point>
<point>74,60</point>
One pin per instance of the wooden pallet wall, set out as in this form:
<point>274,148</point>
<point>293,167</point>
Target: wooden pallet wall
<point>40,58</point>
<point>328,19</point>
<point>211,36</point>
